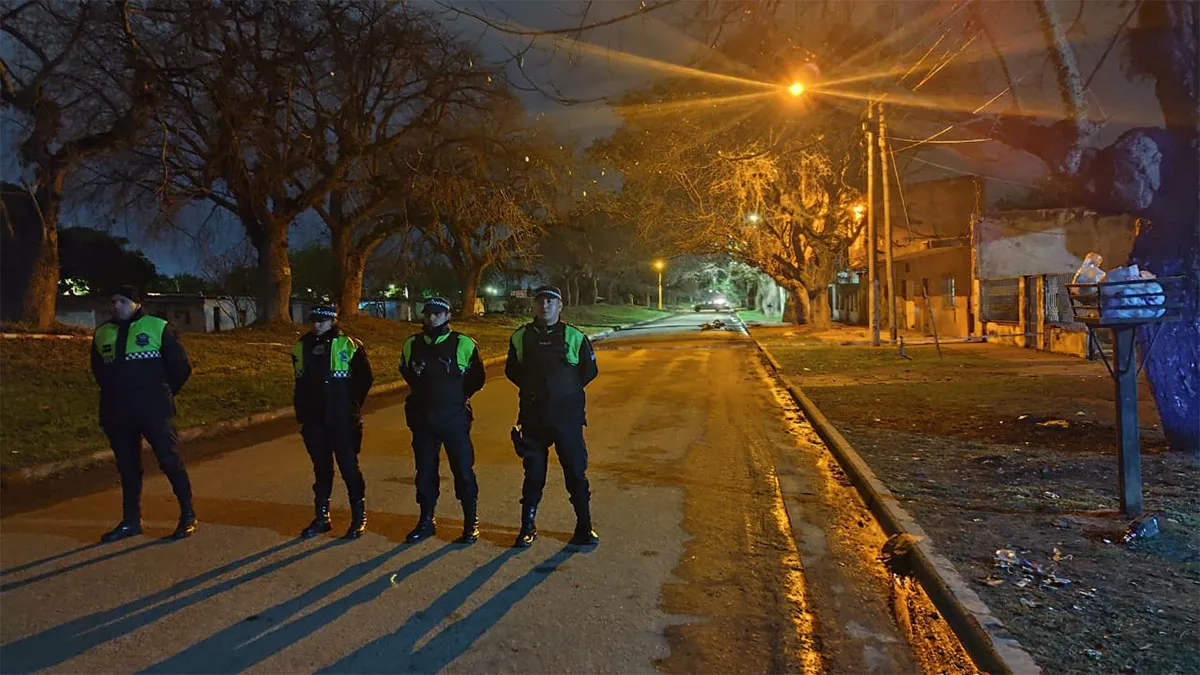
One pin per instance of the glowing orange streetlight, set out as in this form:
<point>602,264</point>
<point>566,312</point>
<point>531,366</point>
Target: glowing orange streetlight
<point>660,265</point>
<point>796,89</point>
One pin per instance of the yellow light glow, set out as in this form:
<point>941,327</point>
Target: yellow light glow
<point>659,265</point>
<point>796,89</point>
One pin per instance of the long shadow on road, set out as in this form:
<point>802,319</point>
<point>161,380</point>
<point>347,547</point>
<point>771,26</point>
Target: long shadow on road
<point>48,559</point>
<point>61,643</point>
<point>250,641</point>
<point>13,585</point>
<point>395,652</point>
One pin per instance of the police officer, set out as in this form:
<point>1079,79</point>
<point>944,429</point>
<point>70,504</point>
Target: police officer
<point>443,370</point>
<point>551,362</point>
<point>140,366</point>
<point>333,377</point>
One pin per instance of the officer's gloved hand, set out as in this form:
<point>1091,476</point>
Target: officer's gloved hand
<point>518,441</point>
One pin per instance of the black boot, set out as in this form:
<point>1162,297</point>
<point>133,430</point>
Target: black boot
<point>320,523</point>
<point>128,527</point>
<point>358,519</point>
<point>528,529</point>
<point>584,534</point>
<point>470,533</point>
<point>426,526</point>
<point>187,522</point>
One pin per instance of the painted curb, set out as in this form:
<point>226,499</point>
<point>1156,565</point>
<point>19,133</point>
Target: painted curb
<point>40,472</point>
<point>985,638</point>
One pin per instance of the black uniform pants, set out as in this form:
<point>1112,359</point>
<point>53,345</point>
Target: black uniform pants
<point>125,438</point>
<point>329,442</point>
<point>567,439</point>
<point>428,438</point>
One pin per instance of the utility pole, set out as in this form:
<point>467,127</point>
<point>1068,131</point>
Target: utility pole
<point>887,226</point>
<point>872,272</point>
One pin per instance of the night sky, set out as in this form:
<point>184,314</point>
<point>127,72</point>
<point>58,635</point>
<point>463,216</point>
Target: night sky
<point>589,74</point>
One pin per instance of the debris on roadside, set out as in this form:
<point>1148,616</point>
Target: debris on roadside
<point>1145,527</point>
<point>715,324</point>
<point>1094,653</point>
<point>895,554</point>
<point>1008,560</point>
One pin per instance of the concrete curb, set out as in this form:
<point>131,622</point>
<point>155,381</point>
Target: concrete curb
<point>40,472</point>
<point>604,334</point>
<point>987,641</point>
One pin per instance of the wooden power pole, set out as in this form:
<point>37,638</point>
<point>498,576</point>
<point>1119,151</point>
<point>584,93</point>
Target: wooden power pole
<point>887,227</point>
<point>872,272</point>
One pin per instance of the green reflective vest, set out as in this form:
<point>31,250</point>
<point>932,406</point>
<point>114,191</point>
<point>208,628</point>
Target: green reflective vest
<point>143,342</point>
<point>462,352</point>
<point>341,352</point>
<point>572,336</point>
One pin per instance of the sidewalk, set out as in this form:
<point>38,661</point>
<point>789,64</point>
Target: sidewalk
<point>995,450</point>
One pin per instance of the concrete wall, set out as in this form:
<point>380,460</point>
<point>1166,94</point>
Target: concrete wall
<point>1055,241</point>
<point>1032,245</point>
<point>950,315</point>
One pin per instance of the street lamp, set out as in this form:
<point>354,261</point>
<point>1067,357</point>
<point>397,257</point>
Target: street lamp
<point>660,265</point>
<point>796,89</point>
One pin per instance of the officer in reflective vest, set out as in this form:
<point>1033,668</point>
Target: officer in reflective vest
<point>551,362</point>
<point>140,366</point>
<point>443,370</point>
<point>333,377</point>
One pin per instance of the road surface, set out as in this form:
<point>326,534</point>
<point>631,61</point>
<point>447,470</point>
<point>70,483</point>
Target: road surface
<point>728,544</point>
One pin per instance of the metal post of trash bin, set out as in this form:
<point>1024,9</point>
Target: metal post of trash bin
<point>1123,307</point>
<point>1129,452</point>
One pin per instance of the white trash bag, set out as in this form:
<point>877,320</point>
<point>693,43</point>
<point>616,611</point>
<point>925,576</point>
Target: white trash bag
<point>1124,301</point>
<point>1088,273</point>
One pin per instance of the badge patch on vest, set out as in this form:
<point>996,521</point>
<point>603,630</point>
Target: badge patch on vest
<point>344,356</point>
<point>142,339</point>
<point>106,348</point>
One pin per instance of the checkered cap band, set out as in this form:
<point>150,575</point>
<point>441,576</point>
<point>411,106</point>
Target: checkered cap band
<point>436,305</point>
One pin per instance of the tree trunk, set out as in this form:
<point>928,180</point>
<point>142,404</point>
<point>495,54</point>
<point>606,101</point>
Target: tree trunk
<point>350,266</point>
<point>612,291</point>
<point>350,284</point>
<point>1167,244</point>
<point>469,279</point>
<point>595,289</point>
<point>41,292</point>
<point>816,312</point>
<point>275,274</point>
<point>796,307</point>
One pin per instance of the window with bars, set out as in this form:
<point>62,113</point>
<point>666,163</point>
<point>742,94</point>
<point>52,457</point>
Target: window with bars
<point>1000,300</point>
<point>948,290</point>
<point>1057,300</point>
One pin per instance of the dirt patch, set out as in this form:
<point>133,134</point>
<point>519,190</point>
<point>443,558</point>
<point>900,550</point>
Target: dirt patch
<point>1002,449</point>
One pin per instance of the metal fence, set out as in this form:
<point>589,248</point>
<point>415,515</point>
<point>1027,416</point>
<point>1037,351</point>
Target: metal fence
<point>1058,300</point>
<point>1000,300</point>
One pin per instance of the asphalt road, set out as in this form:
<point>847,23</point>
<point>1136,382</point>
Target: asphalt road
<point>728,544</point>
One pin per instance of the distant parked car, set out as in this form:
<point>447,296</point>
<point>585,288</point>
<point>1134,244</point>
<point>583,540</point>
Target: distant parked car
<point>714,305</point>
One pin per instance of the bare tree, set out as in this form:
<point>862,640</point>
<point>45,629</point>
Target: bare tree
<point>488,193</point>
<point>399,77</point>
<point>80,85</point>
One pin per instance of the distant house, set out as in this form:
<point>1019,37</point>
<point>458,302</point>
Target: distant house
<point>1023,261</point>
<point>187,312</point>
<point>931,226</point>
